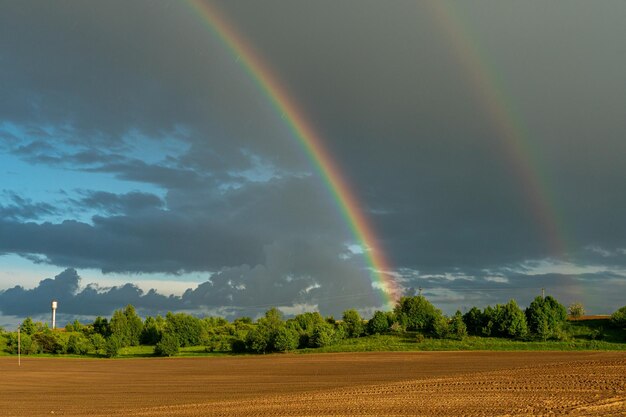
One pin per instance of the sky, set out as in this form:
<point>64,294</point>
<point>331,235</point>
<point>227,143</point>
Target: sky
<point>142,160</point>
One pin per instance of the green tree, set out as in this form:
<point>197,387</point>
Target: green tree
<point>112,346</point>
<point>458,329</point>
<point>545,317</point>
<point>98,342</point>
<point>416,313</point>
<point>286,339</point>
<point>258,340</point>
<point>101,326</point>
<point>323,335</point>
<point>49,342</point>
<point>77,344</point>
<point>167,346</point>
<point>576,310</point>
<point>353,322</point>
<point>441,327</point>
<point>135,325</point>
<point>618,318</point>
<point>509,320</point>
<point>187,328</point>
<point>474,321</point>
<point>28,326</point>
<point>152,330</point>
<point>120,328</point>
<point>379,323</point>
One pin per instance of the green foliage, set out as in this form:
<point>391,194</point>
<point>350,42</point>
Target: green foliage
<point>76,326</point>
<point>152,330</point>
<point>379,323</point>
<point>168,346</point>
<point>323,335</point>
<point>305,325</point>
<point>353,322</point>
<point>545,317</point>
<point>187,328</point>
<point>77,344</point>
<point>49,342</point>
<point>112,346</point>
<point>441,328</point>
<point>474,321</point>
<point>504,320</point>
<point>576,310</point>
<point>458,329</point>
<point>618,318</point>
<point>98,342</point>
<point>101,326</point>
<point>28,345</point>
<point>28,326</point>
<point>258,340</point>
<point>286,339</point>
<point>416,313</point>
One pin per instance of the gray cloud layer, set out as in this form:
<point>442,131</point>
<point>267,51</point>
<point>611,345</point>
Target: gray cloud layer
<point>144,93</point>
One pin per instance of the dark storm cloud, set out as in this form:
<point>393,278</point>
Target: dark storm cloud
<point>88,301</point>
<point>392,100</point>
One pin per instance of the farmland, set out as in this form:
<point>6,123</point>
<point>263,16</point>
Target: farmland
<point>378,383</point>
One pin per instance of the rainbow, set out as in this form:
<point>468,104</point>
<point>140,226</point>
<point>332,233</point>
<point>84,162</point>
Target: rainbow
<point>515,145</point>
<point>311,142</point>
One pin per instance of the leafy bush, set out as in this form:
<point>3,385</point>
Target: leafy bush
<point>167,346</point>
<point>49,342</point>
<point>618,318</point>
<point>77,344</point>
<point>323,335</point>
<point>379,323</point>
<point>416,313</point>
<point>353,322</point>
<point>112,346</point>
<point>458,329</point>
<point>576,310</point>
<point>286,339</point>
<point>545,317</point>
<point>441,328</point>
<point>98,342</point>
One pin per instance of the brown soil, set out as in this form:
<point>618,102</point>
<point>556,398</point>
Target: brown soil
<point>372,384</point>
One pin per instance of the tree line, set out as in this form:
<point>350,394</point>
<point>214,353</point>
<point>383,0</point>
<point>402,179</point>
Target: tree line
<point>543,319</point>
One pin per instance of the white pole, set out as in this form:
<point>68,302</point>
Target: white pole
<point>19,345</point>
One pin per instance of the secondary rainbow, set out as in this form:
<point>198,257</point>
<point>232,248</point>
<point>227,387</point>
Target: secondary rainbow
<point>312,143</point>
<point>515,145</point>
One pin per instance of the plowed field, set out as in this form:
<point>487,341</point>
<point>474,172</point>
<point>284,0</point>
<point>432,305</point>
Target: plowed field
<point>373,384</point>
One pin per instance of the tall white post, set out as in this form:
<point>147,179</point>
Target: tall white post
<point>19,345</point>
<point>54,314</point>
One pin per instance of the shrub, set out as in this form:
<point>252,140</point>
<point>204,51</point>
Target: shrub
<point>353,322</point>
<point>441,327</point>
<point>167,346</point>
<point>77,344</point>
<point>379,323</point>
<point>98,342</point>
<point>618,318</point>
<point>474,321</point>
<point>576,310</point>
<point>545,317</point>
<point>416,313</point>
<point>323,335</point>
<point>112,346</point>
<point>458,329</point>
<point>286,340</point>
<point>49,342</point>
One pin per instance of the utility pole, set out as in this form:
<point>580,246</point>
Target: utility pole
<point>19,345</point>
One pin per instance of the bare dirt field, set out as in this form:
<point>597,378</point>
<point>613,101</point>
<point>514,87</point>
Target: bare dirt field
<point>373,384</point>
